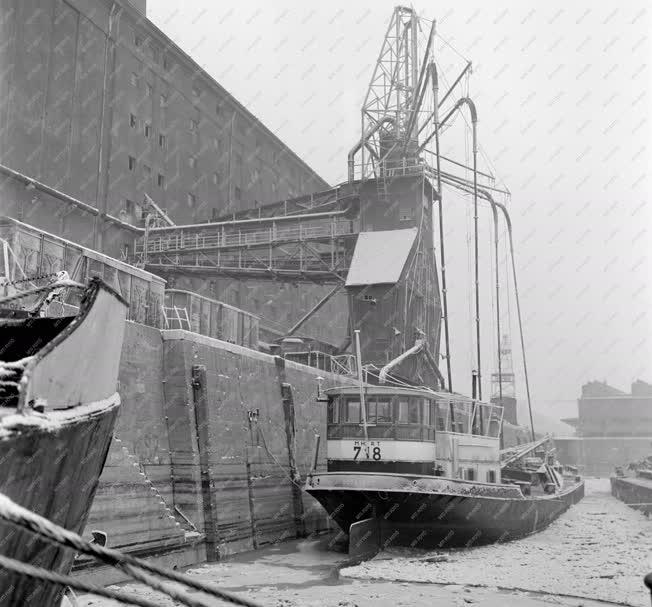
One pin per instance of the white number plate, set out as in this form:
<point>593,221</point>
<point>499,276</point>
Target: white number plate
<point>371,450</point>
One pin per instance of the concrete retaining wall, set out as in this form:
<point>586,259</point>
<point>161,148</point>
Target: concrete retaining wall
<point>188,469</point>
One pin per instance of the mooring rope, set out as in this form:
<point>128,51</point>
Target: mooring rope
<point>16,514</point>
<point>67,580</point>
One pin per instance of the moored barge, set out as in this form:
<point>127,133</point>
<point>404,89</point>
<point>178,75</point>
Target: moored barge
<point>429,472</point>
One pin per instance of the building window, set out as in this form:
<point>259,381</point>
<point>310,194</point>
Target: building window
<point>194,125</point>
<point>138,41</point>
<point>469,474</point>
<point>149,89</point>
<point>132,163</point>
<point>162,142</point>
<point>191,200</point>
<point>192,162</point>
<point>133,79</point>
<point>491,476</point>
<point>163,100</point>
<point>130,205</point>
<point>238,193</point>
<point>148,130</point>
<point>160,181</point>
<point>132,121</point>
<point>147,171</point>
<point>216,178</point>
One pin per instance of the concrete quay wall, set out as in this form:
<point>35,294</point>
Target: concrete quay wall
<point>191,476</point>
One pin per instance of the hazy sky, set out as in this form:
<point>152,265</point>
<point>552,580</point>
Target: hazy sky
<point>563,95</point>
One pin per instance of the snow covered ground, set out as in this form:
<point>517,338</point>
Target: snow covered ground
<point>600,549</point>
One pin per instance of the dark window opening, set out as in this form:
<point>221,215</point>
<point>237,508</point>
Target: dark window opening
<point>333,411</point>
<point>132,163</point>
<point>352,411</point>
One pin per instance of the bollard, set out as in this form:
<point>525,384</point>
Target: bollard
<point>648,582</point>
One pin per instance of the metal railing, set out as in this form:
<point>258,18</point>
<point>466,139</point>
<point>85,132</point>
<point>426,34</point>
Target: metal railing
<point>227,238</point>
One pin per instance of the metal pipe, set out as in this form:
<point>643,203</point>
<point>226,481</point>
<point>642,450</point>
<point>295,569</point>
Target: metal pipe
<point>459,164</point>
<point>354,150</point>
<point>420,89</point>
<point>508,221</point>
<point>463,181</point>
<point>435,90</point>
<point>417,347</point>
<point>484,194</point>
<point>450,90</point>
<point>460,102</point>
<point>500,364</point>
<point>363,410</point>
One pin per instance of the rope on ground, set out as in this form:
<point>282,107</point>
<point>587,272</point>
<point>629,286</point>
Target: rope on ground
<point>21,517</point>
<point>67,580</point>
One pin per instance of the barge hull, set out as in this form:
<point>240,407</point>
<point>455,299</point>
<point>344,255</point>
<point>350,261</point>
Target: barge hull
<point>55,475</point>
<point>438,520</point>
<point>635,492</point>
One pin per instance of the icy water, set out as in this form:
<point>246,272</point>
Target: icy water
<point>597,553</point>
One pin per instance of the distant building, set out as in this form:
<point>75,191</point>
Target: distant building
<point>612,427</point>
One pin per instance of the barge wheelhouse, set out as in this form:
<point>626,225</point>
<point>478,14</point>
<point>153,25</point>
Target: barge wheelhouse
<point>401,426</point>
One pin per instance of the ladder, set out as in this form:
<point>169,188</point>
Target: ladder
<point>381,187</point>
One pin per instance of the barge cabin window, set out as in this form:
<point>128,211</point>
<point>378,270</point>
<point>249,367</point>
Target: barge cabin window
<point>406,417</point>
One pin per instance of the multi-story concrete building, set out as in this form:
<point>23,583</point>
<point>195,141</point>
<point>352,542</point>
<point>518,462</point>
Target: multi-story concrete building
<point>98,107</point>
<point>99,103</point>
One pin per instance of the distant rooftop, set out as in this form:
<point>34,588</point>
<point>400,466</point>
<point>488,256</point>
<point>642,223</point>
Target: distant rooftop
<point>601,389</point>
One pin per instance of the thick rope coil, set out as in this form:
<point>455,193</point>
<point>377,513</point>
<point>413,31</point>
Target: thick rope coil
<point>67,580</point>
<point>16,514</point>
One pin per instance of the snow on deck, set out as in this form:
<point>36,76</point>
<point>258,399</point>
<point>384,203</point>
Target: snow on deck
<point>599,549</point>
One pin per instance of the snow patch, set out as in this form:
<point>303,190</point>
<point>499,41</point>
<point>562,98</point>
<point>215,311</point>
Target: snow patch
<point>52,421</point>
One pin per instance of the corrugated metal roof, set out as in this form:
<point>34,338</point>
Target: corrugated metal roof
<point>379,257</point>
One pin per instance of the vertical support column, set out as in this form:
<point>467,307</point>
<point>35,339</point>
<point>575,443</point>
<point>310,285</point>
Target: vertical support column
<point>287,399</point>
<point>250,482</point>
<point>211,528</point>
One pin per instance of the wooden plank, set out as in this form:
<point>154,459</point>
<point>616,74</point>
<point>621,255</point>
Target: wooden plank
<point>289,415</point>
<point>211,527</point>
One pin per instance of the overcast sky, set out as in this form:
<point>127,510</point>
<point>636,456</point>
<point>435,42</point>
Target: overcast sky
<point>563,95</point>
